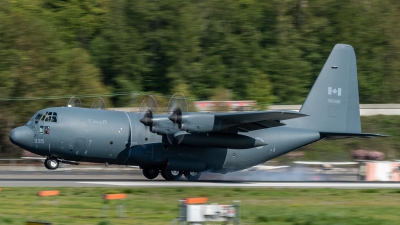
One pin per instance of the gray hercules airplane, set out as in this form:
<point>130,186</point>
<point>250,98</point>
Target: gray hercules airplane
<point>188,143</point>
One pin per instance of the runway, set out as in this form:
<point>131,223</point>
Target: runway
<point>196,184</point>
<point>135,179</point>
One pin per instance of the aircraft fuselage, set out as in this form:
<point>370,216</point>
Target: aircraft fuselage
<point>114,137</point>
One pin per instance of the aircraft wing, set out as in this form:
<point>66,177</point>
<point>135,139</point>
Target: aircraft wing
<point>248,121</point>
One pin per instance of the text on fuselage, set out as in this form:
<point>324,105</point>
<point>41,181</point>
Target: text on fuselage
<point>97,121</point>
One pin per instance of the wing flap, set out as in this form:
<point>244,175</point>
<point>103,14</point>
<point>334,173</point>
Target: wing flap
<point>249,121</point>
<point>250,117</point>
<point>339,135</point>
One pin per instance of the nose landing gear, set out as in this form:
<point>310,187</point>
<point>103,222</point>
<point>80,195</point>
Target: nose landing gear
<point>51,163</point>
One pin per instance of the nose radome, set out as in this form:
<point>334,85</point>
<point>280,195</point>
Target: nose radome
<point>22,136</point>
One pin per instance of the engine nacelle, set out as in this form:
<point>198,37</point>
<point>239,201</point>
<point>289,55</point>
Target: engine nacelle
<point>197,122</point>
<point>162,125</point>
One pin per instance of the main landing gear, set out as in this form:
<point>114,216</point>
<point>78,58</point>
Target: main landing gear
<point>51,163</point>
<point>150,174</point>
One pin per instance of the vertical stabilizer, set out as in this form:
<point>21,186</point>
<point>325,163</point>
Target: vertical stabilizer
<point>333,103</point>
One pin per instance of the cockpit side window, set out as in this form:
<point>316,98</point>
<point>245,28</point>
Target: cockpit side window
<point>38,116</point>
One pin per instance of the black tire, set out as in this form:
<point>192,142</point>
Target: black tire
<point>45,164</point>
<point>150,173</point>
<point>173,174</point>
<point>164,176</point>
<point>192,175</point>
<point>51,163</point>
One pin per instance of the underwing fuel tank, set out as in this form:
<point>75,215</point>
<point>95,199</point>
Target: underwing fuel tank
<point>219,140</point>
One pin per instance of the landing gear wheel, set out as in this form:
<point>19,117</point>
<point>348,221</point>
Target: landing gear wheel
<point>150,173</point>
<point>192,175</point>
<point>164,176</point>
<point>172,174</point>
<point>51,163</point>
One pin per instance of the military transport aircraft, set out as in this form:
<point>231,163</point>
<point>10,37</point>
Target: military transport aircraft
<point>188,143</point>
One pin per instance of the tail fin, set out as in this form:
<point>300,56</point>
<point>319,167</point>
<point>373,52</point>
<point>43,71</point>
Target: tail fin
<point>333,103</point>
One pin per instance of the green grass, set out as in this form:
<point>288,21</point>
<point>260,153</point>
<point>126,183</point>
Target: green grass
<point>160,205</point>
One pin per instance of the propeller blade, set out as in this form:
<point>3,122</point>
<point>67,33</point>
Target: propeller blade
<point>176,106</point>
<point>177,100</point>
<point>74,102</point>
<point>99,104</point>
<point>148,106</point>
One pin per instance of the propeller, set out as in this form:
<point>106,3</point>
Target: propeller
<point>176,106</point>
<point>99,104</point>
<point>148,106</point>
<point>74,102</point>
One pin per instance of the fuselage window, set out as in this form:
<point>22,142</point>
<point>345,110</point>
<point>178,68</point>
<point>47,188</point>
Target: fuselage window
<point>41,129</point>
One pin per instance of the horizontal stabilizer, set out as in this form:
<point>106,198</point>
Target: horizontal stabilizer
<point>339,135</point>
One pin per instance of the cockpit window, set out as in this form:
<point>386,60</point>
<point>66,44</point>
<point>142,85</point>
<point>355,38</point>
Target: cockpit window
<point>38,116</point>
<point>54,117</point>
<point>48,117</point>
<point>43,117</point>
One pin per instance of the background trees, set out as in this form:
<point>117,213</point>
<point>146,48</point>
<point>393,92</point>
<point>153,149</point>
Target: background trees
<point>269,51</point>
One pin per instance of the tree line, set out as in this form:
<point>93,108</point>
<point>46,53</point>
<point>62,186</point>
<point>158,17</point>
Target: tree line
<point>269,51</point>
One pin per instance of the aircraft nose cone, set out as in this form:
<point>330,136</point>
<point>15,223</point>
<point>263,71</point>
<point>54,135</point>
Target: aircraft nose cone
<point>22,136</point>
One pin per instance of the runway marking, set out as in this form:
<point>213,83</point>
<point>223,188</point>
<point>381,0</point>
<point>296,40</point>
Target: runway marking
<point>249,184</point>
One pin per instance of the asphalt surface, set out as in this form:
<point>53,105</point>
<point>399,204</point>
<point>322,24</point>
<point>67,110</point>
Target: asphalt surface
<point>92,177</point>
